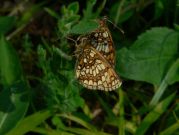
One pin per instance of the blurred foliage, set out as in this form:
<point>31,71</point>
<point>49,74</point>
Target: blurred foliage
<point>38,90</point>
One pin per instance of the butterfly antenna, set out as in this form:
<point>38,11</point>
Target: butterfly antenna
<point>106,19</point>
<point>71,40</point>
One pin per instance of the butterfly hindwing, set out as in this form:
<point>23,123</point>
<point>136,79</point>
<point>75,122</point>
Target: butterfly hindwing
<point>94,72</point>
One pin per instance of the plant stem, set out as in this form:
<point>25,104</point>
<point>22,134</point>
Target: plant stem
<point>121,127</point>
<point>19,29</point>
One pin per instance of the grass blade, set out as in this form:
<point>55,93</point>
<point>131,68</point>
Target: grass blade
<point>154,115</point>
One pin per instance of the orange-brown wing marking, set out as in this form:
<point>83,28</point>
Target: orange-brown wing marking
<point>94,72</point>
<point>101,40</point>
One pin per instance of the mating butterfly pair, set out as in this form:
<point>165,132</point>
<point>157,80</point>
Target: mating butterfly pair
<point>96,60</point>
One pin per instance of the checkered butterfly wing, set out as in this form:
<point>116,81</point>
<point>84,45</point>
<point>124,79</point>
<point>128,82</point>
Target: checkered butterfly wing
<point>94,72</point>
<point>101,40</point>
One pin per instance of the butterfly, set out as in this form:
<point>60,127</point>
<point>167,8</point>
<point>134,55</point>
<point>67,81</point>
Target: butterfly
<point>93,71</point>
<point>101,40</point>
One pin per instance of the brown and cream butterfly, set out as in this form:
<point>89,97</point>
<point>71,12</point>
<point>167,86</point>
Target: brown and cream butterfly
<point>101,40</point>
<point>95,60</point>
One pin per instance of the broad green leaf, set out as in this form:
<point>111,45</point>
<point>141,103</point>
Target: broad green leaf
<point>13,98</point>
<point>153,115</point>
<point>150,56</point>
<point>6,23</point>
<point>10,69</point>
<point>30,122</point>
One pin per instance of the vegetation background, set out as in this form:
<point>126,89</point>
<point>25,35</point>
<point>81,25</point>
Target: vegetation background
<point>39,94</point>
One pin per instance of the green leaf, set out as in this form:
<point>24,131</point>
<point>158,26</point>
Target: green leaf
<point>159,8</point>
<point>29,13</point>
<point>171,77</point>
<point>10,69</point>
<point>84,27</point>
<point>72,98</point>
<point>88,12</point>
<point>52,13</point>
<point>123,16</point>
<point>68,131</point>
<point>173,73</point>
<point>74,7</point>
<point>150,56</point>
<point>81,131</point>
<point>30,122</point>
<point>130,126</point>
<point>46,131</point>
<point>79,121</point>
<point>14,102</point>
<point>154,114</point>
<point>58,122</point>
<point>6,23</point>
<point>171,129</point>
<point>176,26</point>
<point>92,13</point>
<point>13,98</point>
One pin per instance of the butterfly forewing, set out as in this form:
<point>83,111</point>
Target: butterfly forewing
<point>94,72</point>
<point>101,40</point>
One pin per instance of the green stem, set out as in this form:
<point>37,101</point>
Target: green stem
<point>121,113</point>
<point>19,29</point>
